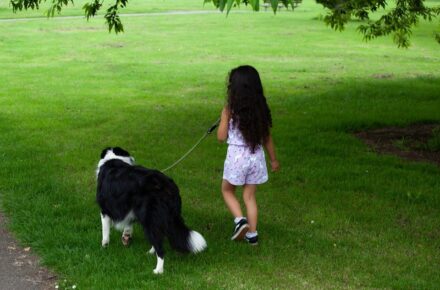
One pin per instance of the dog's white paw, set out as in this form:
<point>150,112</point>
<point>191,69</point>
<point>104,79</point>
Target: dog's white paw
<point>105,243</point>
<point>126,240</point>
<point>159,266</point>
<point>152,251</point>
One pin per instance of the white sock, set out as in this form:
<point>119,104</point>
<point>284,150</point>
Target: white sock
<point>250,235</point>
<point>238,219</point>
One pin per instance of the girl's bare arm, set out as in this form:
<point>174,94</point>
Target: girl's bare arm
<point>270,149</point>
<point>222,132</point>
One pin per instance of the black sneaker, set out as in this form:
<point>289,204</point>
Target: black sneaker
<point>240,230</point>
<point>252,241</point>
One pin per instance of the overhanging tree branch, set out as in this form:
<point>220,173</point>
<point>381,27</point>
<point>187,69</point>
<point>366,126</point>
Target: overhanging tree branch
<point>397,21</point>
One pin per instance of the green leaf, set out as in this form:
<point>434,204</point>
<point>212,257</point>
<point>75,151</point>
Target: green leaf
<point>254,4</point>
<point>274,4</point>
<point>230,2</point>
<point>222,4</point>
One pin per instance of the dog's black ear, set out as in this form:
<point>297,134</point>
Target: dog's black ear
<point>120,152</point>
<point>104,152</point>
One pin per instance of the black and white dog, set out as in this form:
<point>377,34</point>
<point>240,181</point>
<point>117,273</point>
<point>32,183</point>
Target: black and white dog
<point>128,193</point>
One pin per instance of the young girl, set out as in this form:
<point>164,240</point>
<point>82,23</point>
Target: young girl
<point>245,124</point>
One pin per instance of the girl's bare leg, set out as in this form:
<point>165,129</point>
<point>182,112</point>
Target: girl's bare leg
<point>251,205</point>
<point>231,201</point>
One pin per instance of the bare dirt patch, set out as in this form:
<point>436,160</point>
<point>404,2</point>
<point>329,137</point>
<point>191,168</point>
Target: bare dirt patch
<point>413,142</point>
<point>19,267</point>
<point>383,76</point>
<point>114,45</point>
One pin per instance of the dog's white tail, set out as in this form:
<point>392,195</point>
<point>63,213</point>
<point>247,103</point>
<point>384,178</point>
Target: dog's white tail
<point>196,242</point>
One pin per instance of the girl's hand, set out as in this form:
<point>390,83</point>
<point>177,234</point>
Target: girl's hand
<point>275,165</point>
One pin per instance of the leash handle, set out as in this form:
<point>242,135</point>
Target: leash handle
<point>213,126</point>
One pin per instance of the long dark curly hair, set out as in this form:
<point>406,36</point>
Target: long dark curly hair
<point>248,106</point>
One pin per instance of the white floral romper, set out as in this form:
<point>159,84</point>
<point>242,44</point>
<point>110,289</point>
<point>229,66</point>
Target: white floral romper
<point>241,165</point>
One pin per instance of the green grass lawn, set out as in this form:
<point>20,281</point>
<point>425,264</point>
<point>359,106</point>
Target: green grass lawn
<point>337,216</point>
